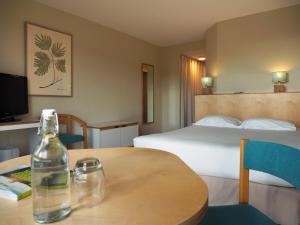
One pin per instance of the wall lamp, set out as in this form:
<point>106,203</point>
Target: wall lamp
<point>207,84</point>
<point>279,78</point>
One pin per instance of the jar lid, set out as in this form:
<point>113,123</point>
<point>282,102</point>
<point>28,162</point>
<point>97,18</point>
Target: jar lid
<point>87,165</point>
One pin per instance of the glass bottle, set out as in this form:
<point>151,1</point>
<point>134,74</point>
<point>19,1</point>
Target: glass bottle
<point>50,173</point>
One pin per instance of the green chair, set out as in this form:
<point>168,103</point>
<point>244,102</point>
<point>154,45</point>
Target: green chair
<point>276,159</point>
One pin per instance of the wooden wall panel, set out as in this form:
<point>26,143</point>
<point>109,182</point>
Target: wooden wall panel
<point>284,106</point>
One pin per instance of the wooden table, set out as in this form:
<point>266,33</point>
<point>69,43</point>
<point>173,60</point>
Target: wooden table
<point>143,187</point>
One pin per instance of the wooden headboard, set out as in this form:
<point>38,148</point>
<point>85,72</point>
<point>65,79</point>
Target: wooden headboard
<point>284,106</point>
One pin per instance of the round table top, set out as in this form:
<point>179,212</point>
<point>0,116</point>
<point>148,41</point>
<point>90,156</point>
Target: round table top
<point>143,186</point>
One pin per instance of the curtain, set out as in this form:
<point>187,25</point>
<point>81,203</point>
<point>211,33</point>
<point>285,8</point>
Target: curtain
<point>191,73</point>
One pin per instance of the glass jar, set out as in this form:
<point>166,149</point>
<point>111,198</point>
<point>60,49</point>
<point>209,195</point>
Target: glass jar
<point>89,181</point>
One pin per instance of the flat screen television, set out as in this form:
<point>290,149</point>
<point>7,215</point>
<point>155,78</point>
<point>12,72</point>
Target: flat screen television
<point>13,96</point>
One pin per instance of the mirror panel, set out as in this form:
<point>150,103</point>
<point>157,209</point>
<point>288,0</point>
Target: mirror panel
<point>148,93</point>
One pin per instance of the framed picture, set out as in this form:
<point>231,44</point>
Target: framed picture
<point>48,61</point>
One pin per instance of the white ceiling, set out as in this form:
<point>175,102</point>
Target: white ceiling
<point>164,22</point>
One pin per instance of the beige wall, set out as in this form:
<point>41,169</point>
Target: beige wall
<point>211,47</point>
<point>107,79</point>
<point>170,82</point>
<point>106,64</point>
<point>242,52</point>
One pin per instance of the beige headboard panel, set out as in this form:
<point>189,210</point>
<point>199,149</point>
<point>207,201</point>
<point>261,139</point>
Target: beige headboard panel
<point>285,106</point>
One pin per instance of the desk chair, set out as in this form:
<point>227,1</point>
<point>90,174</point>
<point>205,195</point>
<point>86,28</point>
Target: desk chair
<point>276,159</point>
<point>69,138</point>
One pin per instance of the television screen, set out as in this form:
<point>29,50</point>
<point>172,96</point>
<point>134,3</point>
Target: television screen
<point>13,95</point>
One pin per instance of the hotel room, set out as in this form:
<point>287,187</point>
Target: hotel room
<point>150,112</point>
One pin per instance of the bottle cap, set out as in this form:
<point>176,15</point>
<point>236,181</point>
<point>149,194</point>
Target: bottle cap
<point>48,113</point>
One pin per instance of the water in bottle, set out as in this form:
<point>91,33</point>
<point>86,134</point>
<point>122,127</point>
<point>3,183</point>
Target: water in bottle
<point>50,173</point>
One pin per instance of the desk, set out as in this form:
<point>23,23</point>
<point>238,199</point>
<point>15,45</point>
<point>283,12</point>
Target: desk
<point>20,134</point>
<point>19,125</point>
<point>112,134</point>
<point>143,187</point>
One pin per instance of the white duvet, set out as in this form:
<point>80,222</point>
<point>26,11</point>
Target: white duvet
<point>214,151</point>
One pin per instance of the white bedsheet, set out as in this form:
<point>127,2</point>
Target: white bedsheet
<point>214,151</point>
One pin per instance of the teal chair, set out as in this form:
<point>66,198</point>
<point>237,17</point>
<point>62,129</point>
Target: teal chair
<point>69,138</point>
<point>276,159</point>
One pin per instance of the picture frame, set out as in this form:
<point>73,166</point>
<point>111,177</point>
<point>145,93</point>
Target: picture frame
<point>48,54</point>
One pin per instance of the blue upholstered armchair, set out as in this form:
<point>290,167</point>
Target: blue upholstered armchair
<point>276,159</point>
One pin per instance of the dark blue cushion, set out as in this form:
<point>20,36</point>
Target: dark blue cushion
<point>70,138</point>
<point>276,159</point>
<point>235,215</point>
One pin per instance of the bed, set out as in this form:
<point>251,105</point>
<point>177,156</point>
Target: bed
<point>199,146</point>
<point>213,153</point>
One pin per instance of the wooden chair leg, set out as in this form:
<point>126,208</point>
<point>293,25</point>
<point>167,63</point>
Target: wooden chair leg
<point>244,176</point>
<point>84,132</point>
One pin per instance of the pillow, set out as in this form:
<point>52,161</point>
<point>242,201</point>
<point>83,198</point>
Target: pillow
<point>267,124</point>
<point>219,121</point>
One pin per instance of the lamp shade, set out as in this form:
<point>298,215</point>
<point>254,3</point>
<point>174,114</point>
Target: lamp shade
<point>207,82</point>
<point>279,77</point>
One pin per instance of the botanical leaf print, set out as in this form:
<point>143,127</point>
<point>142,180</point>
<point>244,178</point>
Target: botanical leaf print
<point>58,50</point>
<point>42,62</point>
<point>42,41</point>
<point>60,65</point>
<point>50,56</point>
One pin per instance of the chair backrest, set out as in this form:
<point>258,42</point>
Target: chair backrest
<point>279,160</point>
<point>68,120</point>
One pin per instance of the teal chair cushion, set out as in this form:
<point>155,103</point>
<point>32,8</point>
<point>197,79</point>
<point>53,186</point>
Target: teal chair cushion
<point>67,139</point>
<point>276,159</point>
<point>235,215</point>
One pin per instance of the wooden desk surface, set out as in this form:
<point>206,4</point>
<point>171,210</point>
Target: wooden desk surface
<point>143,187</point>
<point>22,124</point>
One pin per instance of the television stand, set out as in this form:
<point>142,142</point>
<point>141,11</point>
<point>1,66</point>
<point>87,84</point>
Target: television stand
<point>9,119</point>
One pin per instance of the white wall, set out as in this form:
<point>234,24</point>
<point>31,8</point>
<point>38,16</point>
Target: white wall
<point>242,52</point>
<point>107,83</point>
<point>107,79</point>
<point>106,64</point>
<point>170,82</point>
